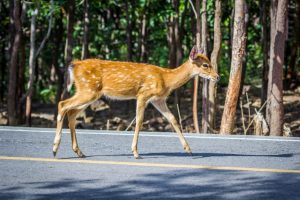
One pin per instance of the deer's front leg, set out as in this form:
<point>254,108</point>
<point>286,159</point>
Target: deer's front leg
<point>162,107</point>
<point>140,109</point>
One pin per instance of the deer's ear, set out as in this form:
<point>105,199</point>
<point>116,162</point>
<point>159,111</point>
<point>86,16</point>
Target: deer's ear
<point>193,53</point>
<point>201,51</point>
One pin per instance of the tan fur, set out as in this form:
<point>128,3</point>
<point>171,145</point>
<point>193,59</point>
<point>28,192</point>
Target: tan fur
<point>126,80</point>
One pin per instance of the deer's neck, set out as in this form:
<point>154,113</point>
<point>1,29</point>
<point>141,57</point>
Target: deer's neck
<point>178,76</point>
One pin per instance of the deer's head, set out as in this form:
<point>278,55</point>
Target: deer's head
<point>201,65</point>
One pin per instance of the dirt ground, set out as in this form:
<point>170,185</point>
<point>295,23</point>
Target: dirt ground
<point>117,115</point>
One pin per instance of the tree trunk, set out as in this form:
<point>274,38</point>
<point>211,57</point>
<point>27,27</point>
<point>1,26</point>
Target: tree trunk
<point>265,46</point>
<point>177,34</point>
<point>238,53</point>
<point>11,98</point>
<point>296,43</point>
<point>214,61</point>
<point>3,68</point>
<point>21,80</point>
<point>196,80</point>
<point>57,41</point>
<point>171,41</point>
<point>178,47</point>
<point>143,56</point>
<point>33,56</point>
<point>244,68</point>
<point>129,30</point>
<point>277,45</point>
<point>85,44</point>
<point>69,44</point>
<point>205,102</point>
<point>32,65</point>
<point>142,50</point>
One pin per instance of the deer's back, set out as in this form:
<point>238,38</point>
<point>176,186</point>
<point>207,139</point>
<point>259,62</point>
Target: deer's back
<point>120,80</point>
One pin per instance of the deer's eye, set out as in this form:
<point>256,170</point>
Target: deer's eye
<point>205,65</point>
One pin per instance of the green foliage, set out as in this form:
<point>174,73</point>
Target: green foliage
<point>108,39</point>
<point>47,95</point>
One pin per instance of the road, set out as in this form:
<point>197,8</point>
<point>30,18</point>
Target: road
<point>231,167</point>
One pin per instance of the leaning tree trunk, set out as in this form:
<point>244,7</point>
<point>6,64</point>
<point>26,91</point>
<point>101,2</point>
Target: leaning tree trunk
<point>277,45</point>
<point>238,53</point>
<point>214,61</point>
<point>11,98</point>
<point>205,102</point>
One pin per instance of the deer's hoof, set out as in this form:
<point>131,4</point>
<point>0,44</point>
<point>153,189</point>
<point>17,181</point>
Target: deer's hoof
<point>188,150</point>
<point>81,155</point>
<point>138,157</point>
<point>136,154</point>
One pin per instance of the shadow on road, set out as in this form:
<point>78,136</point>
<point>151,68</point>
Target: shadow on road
<point>194,156</point>
<point>169,184</point>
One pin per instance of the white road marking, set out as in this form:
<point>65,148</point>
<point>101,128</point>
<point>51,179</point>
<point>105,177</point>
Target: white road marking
<point>162,135</point>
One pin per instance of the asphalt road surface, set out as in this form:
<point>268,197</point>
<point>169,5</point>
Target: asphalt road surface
<point>232,167</point>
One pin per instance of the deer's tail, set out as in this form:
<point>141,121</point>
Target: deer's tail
<point>70,77</point>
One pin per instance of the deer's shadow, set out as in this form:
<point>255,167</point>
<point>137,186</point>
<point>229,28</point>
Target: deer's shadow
<point>182,154</point>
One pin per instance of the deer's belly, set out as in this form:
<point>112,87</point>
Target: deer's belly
<point>119,93</point>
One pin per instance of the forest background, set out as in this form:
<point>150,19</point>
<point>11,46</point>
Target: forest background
<point>38,40</point>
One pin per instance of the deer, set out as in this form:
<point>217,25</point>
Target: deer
<point>119,80</point>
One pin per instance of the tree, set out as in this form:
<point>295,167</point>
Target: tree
<point>33,56</point>
<point>86,22</point>
<point>205,102</point>
<point>129,27</point>
<point>278,35</point>
<point>196,79</point>
<point>142,49</point>
<point>12,84</point>
<point>69,43</point>
<point>265,45</point>
<point>238,53</point>
<point>214,61</point>
<point>57,39</point>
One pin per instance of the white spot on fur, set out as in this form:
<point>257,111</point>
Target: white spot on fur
<point>58,117</point>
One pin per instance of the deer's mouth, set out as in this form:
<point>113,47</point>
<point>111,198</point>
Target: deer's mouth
<point>215,79</point>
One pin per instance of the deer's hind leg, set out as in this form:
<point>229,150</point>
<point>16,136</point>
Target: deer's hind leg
<point>77,102</point>
<point>72,114</point>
